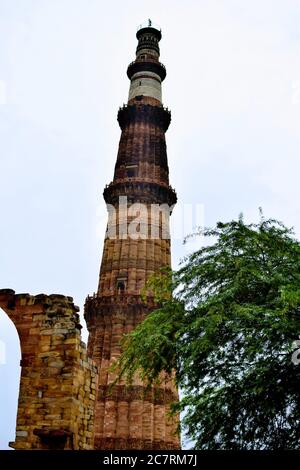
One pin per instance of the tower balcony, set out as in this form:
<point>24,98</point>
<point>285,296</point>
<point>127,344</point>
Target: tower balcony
<point>139,190</point>
<point>148,65</point>
<point>144,113</point>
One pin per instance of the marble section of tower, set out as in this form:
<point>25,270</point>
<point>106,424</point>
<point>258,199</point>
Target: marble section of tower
<point>134,418</point>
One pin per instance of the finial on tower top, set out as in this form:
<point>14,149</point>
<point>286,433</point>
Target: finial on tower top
<point>149,27</point>
<point>149,24</point>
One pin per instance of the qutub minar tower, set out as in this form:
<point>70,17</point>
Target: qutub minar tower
<point>65,398</point>
<point>133,419</point>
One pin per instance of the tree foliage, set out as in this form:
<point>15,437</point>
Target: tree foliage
<point>226,322</point>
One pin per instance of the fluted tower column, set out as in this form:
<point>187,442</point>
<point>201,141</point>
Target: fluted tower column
<point>137,244</point>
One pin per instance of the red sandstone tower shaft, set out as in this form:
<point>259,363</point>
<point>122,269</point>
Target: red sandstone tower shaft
<point>137,245</point>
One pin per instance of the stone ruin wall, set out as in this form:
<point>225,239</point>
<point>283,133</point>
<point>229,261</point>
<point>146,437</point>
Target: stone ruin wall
<point>58,381</point>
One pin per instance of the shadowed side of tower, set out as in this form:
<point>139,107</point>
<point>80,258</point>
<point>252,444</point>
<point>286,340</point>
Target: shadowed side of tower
<point>137,244</point>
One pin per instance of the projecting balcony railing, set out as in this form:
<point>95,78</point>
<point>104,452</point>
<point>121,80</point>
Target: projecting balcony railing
<point>136,179</point>
<point>111,296</point>
<point>147,65</point>
<point>144,112</point>
<point>126,106</point>
<point>148,59</point>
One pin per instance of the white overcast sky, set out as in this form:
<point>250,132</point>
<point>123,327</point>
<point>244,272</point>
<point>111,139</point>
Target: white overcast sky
<point>233,86</point>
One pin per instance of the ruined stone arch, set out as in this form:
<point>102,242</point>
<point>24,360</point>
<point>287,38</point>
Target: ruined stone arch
<point>58,381</point>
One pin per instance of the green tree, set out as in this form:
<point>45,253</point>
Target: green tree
<point>226,322</point>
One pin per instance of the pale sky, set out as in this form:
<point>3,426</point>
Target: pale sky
<point>233,86</point>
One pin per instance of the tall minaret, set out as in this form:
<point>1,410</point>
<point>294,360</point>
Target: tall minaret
<point>137,244</point>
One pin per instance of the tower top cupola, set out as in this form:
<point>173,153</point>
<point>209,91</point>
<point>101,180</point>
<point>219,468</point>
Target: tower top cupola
<point>148,36</point>
<point>146,72</point>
